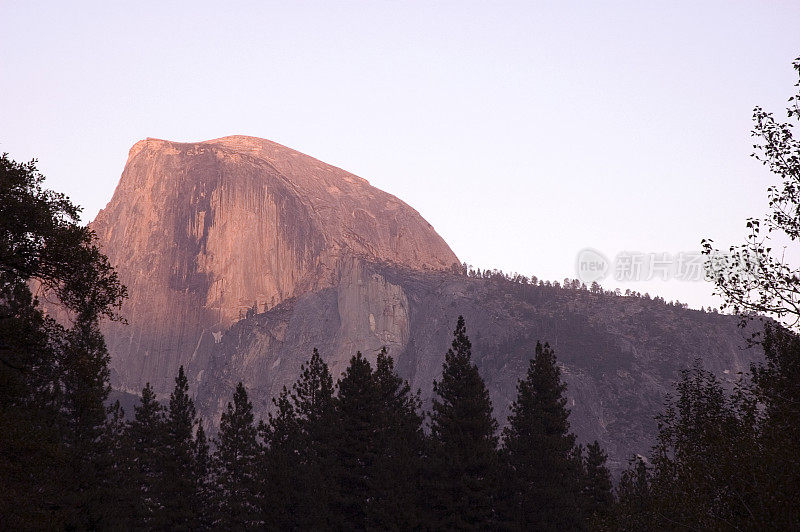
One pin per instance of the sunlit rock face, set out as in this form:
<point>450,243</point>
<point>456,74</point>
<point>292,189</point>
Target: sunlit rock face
<point>202,232</point>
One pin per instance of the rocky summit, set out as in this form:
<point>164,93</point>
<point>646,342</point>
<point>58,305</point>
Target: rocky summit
<point>201,233</point>
<point>242,255</point>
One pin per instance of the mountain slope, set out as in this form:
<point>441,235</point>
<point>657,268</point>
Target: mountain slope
<point>619,355</point>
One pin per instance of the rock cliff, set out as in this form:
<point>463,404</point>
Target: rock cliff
<point>202,232</point>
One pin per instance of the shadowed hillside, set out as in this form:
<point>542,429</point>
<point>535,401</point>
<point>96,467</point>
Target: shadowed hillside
<point>619,355</point>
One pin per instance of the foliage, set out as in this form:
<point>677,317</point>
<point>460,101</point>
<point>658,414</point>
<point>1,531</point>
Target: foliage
<point>53,374</point>
<point>730,461</point>
<point>704,453</point>
<point>463,456</point>
<point>597,486</point>
<point>235,466</point>
<point>146,437</point>
<point>752,277</point>
<point>544,475</point>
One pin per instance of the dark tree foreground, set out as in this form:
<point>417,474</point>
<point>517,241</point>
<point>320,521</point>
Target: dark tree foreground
<point>463,458</point>
<point>731,461</point>
<point>235,466</point>
<point>544,463</point>
<point>54,460</point>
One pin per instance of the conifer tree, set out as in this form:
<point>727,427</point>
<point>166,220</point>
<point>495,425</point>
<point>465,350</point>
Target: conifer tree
<point>777,387</point>
<point>344,461</point>
<point>597,496</point>
<point>312,394</point>
<point>203,510</point>
<point>29,429</point>
<point>119,485</point>
<point>178,466</point>
<point>633,510</point>
<point>704,456</point>
<point>146,437</point>
<point>297,462</point>
<point>313,404</point>
<point>282,482</point>
<point>236,466</point>
<point>396,491</point>
<point>84,378</point>
<point>354,447</point>
<point>540,450</point>
<point>463,453</point>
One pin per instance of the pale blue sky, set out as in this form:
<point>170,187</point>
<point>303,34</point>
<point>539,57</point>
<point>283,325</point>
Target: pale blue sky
<point>524,132</point>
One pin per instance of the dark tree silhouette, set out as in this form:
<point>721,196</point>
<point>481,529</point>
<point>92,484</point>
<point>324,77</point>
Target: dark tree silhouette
<point>180,500</point>
<point>235,466</point>
<point>544,463</point>
<point>597,494</point>
<point>463,450</point>
<point>53,376</point>
<point>146,434</point>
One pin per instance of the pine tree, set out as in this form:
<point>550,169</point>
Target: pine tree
<point>146,437</point>
<point>463,454</point>
<point>396,491</point>
<point>203,510</point>
<point>597,496</point>
<point>544,476</point>
<point>633,510</point>
<point>313,403</point>
<point>236,465</point>
<point>354,446</point>
<point>312,394</point>
<point>777,387</point>
<point>30,420</point>
<point>283,483</point>
<point>119,483</point>
<point>178,512</point>
<point>361,445</point>
<point>704,456</point>
<point>297,462</point>
<point>84,376</point>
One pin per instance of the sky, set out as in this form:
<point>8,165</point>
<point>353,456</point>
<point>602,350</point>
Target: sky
<point>524,132</point>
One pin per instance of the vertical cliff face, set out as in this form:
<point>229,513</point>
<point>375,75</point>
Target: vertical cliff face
<point>202,232</point>
<point>362,311</point>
